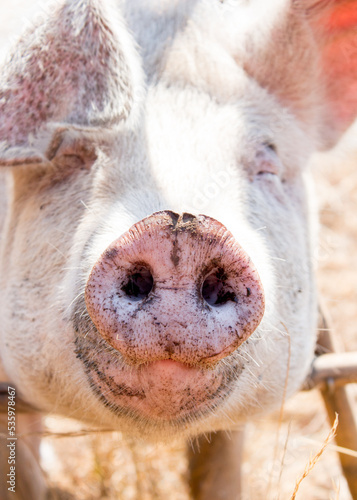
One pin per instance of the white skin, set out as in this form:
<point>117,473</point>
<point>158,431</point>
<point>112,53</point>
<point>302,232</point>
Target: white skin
<point>210,133</point>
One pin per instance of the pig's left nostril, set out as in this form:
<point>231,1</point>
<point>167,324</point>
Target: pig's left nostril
<point>215,290</point>
<point>139,284</point>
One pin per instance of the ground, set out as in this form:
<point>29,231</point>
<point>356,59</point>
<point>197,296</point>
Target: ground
<point>98,466</point>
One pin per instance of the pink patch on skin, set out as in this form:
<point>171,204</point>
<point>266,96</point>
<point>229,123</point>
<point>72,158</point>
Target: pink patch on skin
<point>342,17</point>
<point>336,27</point>
<point>174,321</point>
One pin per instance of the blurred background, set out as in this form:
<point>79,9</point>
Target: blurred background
<point>87,465</point>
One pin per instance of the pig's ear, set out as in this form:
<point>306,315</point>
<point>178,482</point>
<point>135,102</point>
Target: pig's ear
<point>79,69</point>
<point>334,24</point>
<point>310,63</point>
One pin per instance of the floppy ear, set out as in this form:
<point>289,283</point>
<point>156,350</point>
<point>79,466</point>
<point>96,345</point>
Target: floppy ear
<point>79,69</point>
<point>336,27</point>
<point>310,63</point>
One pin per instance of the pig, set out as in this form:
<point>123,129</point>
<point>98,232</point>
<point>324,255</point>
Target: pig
<point>157,257</point>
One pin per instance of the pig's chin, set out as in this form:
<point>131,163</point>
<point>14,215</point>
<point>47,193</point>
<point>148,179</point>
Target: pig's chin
<point>164,391</point>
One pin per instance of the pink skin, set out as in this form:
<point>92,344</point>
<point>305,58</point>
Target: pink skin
<point>174,288</point>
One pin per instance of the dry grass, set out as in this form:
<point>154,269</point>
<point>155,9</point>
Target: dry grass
<point>313,461</point>
<point>100,466</point>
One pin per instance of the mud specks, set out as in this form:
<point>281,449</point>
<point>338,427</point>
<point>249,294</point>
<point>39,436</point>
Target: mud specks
<point>110,253</point>
<point>182,222</point>
<point>174,256</point>
<point>174,217</point>
<point>187,222</point>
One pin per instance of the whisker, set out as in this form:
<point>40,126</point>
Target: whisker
<point>55,248</point>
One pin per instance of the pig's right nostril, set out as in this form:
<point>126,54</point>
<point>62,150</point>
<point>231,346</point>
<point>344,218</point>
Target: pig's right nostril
<point>139,284</point>
<point>215,289</point>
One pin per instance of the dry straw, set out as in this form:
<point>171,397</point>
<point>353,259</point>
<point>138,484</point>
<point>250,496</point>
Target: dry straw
<point>313,461</point>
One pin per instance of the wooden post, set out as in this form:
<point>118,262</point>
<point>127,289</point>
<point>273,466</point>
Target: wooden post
<point>215,466</point>
<point>30,481</point>
<point>337,400</point>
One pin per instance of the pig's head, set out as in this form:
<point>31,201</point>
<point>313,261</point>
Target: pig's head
<point>157,268</point>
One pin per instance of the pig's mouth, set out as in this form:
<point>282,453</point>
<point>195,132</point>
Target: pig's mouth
<point>164,391</point>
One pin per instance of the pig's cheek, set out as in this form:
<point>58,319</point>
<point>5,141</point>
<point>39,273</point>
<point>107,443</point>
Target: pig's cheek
<point>41,362</point>
<point>290,302</point>
<point>271,187</point>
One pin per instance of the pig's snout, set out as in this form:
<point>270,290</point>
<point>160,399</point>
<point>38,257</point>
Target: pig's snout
<point>175,287</point>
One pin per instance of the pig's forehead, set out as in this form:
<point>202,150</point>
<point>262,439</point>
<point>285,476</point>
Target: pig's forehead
<point>190,50</point>
<point>184,129</point>
<point>184,116</point>
<point>167,29</point>
<point>188,119</point>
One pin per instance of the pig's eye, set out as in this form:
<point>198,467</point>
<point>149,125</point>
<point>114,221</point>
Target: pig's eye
<point>267,160</point>
<point>271,146</point>
<point>70,154</point>
<point>73,161</point>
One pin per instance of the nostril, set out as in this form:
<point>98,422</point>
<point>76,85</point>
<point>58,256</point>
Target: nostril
<point>216,291</point>
<point>139,284</point>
